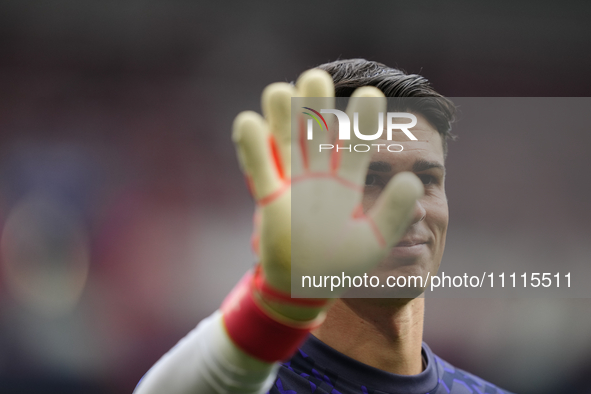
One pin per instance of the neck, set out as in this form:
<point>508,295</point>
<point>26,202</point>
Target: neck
<point>384,333</point>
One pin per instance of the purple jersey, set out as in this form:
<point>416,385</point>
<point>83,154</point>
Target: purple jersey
<point>319,369</point>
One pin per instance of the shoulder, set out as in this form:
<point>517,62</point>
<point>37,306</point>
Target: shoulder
<point>457,381</point>
<point>317,368</point>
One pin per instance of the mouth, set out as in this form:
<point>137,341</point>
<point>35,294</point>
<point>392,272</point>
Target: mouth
<point>409,248</point>
<point>410,242</point>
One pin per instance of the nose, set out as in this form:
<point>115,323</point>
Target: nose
<point>419,212</point>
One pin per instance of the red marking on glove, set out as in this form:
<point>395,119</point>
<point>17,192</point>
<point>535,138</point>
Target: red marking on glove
<point>358,212</point>
<point>274,195</point>
<point>303,144</point>
<point>276,157</point>
<point>268,292</point>
<point>335,160</point>
<point>376,232</point>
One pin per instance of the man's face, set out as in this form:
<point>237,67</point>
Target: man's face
<point>421,248</point>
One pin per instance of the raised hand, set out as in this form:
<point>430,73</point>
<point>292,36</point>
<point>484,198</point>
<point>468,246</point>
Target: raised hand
<point>309,213</point>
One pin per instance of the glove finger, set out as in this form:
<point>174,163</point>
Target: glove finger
<point>393,210</point>
<point>317,89</point>
<point>254,153</point>
<point>276,103</point>
<point>367,102</point>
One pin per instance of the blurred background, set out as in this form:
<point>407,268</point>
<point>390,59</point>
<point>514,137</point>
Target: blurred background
<point>124,219</point>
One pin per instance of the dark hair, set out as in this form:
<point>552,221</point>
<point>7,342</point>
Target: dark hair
<point>350,74</point>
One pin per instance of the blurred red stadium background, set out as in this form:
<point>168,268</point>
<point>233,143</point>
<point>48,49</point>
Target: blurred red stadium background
<point>125,219</point>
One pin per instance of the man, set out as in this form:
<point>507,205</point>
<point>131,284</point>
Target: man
<point>391,210</point>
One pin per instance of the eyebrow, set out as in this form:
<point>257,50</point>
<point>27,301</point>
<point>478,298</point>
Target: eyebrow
<point>380,166</point>
<point>424,165</point>
<point>418,166</point>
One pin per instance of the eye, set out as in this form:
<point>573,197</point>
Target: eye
<point>427,179</point>
<point>372,180</point>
